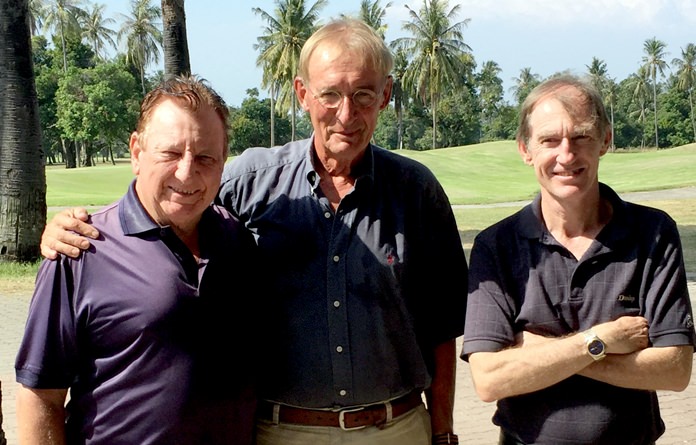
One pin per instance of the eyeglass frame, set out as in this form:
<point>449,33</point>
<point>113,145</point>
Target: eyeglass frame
<point>341,96</point>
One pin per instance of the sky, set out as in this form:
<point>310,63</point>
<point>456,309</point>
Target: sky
<point>548,36</point>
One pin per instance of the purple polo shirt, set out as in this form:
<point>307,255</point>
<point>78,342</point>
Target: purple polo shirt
<point>155,348</point>
<point>521,278</point>
<point>361,296</point>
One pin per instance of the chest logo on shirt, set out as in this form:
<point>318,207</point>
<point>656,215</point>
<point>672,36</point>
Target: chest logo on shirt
<point>626,299</point>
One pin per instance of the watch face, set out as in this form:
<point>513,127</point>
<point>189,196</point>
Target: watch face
<point>596,347</point>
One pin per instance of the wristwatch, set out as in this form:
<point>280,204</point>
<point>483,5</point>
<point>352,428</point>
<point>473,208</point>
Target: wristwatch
<point>595,346</point>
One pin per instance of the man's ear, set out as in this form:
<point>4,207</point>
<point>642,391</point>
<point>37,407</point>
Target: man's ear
<point>135,151</point>
<point>524,152</point>
<point>606,143</point>
<point>386,95</point>
<point>301,92</point>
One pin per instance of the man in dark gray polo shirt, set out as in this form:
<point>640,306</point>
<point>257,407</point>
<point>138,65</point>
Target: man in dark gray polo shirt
<point>151,329</point>
<point>578,308</point>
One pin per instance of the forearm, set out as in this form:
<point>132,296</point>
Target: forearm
<point>527,367</point>
<point>440,395</point>
<point>667,368</point>
<point>40,416</point>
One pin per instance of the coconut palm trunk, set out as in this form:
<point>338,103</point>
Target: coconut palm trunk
<point>22,174</point>
<point>175,42</point>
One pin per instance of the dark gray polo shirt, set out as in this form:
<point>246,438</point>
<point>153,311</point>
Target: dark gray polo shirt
<point>521,278</point>
<point>155,348</point>
<point>360,296</point>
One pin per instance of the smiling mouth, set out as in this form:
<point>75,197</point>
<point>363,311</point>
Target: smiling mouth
<point>183,192</point>
<point>569,173</point>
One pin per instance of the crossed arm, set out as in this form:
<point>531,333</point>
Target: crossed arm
<point>537,362</point>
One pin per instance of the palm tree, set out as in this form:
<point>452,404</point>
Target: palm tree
<point>280,45</point>
<point>268,80</point>
<point>142,35</point>
<point>686,76</point>
<point>95,29</point>
<point>436,49</point>
<point>400,97</point>
<point>524,84</point>
<point>63,17</point>
<point>490,87</point>
<point>598,73</point>
<point>654,62</point>
<point>176,53</point>
<point>36,16</point>
<point>606,86</point>
<point>22,176</point>
<point>639,84</point>
<point>373,14</point>
<point>611,92</point>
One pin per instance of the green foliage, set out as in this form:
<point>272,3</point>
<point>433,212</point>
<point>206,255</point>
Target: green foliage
<point>438,56</point>
<point>96,106</point>
<point>459,119</point>
<point>386,133</point>
<point>250,124</point>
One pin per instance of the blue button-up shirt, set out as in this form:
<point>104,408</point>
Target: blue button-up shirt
<point>360,296</point>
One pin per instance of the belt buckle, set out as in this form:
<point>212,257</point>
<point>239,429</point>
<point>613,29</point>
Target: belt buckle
<point>342,419</point>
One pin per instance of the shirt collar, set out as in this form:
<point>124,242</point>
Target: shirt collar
<point>364,169</point>
<point>532,222</point>
<point>134,219</point>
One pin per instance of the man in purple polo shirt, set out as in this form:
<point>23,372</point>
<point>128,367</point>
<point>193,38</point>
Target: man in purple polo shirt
<point>144,328</point>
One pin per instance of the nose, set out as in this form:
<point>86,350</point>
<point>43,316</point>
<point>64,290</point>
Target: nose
<point>186,167</point>
<point>565,151</point>
<point>346,110</point>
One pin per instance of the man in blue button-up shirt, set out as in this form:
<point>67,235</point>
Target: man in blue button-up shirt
<point>364,260</point>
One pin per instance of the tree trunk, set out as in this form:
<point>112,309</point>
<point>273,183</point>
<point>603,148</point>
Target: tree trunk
<point>69,155</point>
<point>3,440</point>
<point>272,114</point>
<point>176,54</point>
<point>657,141</point>
<point>691,105</point>
<point>22,171</point>
<point>613,141</point>
<point>398,107</point>
<point>434,105</point>
<point>293,108</point>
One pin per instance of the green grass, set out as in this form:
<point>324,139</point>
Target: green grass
<point>477,174</point>
<point>494,172</point>
<point>87,186</point>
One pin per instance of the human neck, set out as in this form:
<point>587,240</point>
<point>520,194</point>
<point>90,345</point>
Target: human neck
<point>575,224</point>
<point>336,179</point>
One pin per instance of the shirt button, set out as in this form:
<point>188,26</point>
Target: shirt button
<point>327,215</point>
<point>335,259</point>
<point>342,392</point>
<point>337,303</point>
<point>339,348</point>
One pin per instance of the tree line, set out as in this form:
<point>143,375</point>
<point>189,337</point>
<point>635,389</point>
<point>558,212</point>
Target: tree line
<point>90,72</point>
<point>442,96</point>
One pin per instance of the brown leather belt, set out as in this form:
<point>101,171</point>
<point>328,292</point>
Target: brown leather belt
<point>347,419</point>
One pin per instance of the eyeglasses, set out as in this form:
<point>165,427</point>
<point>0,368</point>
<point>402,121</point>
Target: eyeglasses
<point>332,99</point>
